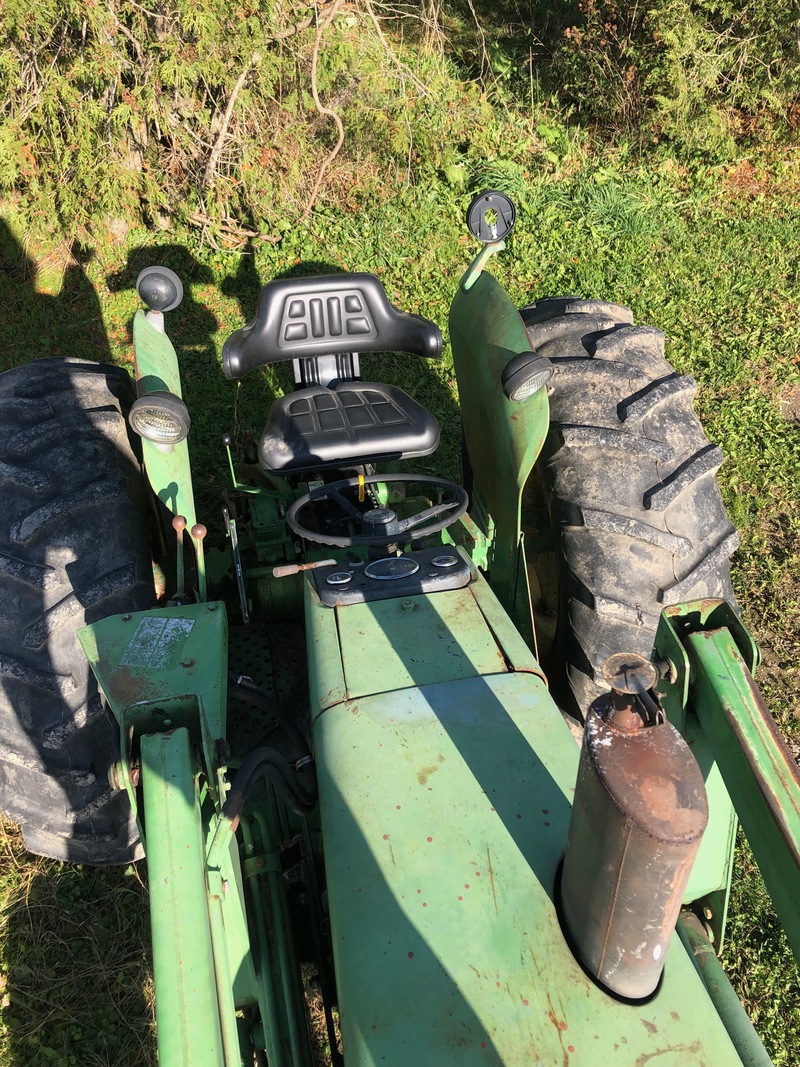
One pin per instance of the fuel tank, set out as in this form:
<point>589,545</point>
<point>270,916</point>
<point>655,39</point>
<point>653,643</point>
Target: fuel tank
<point>639,814</point>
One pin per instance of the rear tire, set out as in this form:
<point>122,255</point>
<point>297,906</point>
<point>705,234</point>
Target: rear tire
<point>623,514</point>
<point>74,548</point>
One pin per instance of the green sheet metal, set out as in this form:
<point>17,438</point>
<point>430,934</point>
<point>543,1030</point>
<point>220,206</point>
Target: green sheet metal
<point>157,369</point>
<point>503,438</point>
<point>163,668</point>
<point>445,812</point>
<point>187,1011</point>
<point>411,641</point>
<point>711,872</point>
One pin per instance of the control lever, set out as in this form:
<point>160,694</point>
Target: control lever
<point>295,568</point>
<point>179,525</point>
<point>230,530</point>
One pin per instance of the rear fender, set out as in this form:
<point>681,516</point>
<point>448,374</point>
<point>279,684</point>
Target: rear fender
<point>156,367</point>
<point>503,438</point>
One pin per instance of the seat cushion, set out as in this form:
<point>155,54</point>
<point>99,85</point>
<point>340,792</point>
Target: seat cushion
<point>351,423</point>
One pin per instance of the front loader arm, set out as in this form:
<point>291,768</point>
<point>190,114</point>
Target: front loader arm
<point>707,657</point>
<point>187,997</point>
<point>219,978</point>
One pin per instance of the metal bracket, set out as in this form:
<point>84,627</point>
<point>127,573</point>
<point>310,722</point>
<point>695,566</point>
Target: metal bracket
<point>676,623</point>
<point>760,774</point>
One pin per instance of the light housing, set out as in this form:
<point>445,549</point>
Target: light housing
<point>525,375</point>
<point>160,417</point>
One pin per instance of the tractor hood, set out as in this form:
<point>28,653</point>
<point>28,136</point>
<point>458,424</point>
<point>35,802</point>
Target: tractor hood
<point>446,777</point>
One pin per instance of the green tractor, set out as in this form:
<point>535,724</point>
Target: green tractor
<point>475,754</point>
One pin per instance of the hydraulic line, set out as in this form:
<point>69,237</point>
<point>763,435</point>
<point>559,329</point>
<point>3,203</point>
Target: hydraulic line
<point>245,689</point>
<point>269,763</point>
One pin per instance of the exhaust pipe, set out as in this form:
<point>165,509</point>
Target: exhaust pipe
<point>638,817</point>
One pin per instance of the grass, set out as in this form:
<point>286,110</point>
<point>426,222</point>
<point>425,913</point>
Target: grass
<point>75,986</point>
<point>711,255</point>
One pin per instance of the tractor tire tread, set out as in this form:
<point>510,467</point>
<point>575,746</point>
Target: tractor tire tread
<point>74,549</point>
<point>628,480</point>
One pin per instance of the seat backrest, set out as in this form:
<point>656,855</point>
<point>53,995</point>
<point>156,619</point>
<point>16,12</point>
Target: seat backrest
<point>327,315</point>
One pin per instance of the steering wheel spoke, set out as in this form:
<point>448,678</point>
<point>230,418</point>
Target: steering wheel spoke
<point>429,521</point>
<point>343,502</point>
<point>423,516</point>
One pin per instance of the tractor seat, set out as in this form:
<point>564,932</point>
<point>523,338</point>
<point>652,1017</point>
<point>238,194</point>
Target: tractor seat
<point>346,424</point>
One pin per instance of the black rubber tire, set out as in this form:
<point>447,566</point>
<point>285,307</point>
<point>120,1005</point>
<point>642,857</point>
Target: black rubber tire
<point>74,548</point>
<point>623,511</point>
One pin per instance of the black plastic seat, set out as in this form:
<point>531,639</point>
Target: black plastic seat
<point>331,313</point>
<point>334,419</point>
<point>350,423</point>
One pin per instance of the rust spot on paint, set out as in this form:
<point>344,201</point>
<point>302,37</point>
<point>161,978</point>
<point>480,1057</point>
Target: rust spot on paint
<point>558,1023</point>
<point>385,837</point>
<point>651,1028</point>
<point>570,1048</point>
<point>525,1001</point>
<point>429,840</point>
<point>689,1054</point>
<point>425,773</point>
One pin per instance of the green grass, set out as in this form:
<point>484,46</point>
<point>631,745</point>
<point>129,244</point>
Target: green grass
<point>75,983</point>
<point>711,255</point>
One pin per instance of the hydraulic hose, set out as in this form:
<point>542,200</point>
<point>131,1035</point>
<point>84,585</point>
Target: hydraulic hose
<point>269,763</point>
<point>245,689</point>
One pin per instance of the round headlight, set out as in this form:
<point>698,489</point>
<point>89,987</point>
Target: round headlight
<point>525,375</point>
<point>160,417</point>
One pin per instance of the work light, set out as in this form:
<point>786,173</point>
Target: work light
<point>160,417</point>
<point>525,374</point>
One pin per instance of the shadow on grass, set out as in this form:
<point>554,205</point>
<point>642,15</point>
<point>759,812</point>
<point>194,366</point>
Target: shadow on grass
<point>37,325</point>
<point>75,958</point>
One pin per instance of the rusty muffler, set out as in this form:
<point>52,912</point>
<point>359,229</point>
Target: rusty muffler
<point>639,813</point>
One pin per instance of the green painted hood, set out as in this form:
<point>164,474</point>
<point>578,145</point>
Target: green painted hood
<point>445,804</point>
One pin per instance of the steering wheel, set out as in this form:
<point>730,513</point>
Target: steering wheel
<point>423,523</point>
